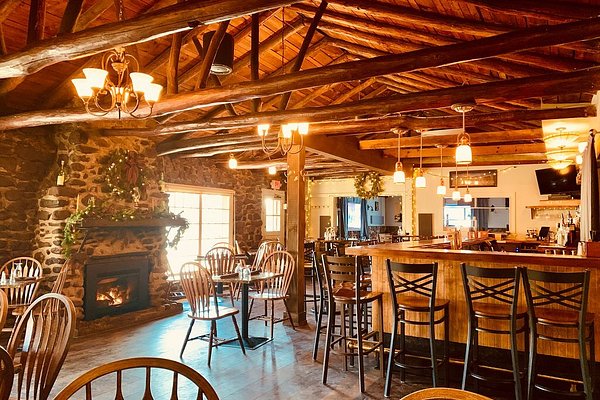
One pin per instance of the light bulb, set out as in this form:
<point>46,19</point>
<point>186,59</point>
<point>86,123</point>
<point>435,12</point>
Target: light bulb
<point>464,155</point>
<point>399,177</point>
<point>468,197</point>
<point>95,76</point>
<point>272,170</point>
<point>232,162</point>
<point>441,189</point>
<point>263,129</point>
<point>456,195</point>
<point>286,131</point>
<point>420,182</point>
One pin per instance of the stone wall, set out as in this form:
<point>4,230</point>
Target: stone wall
<point>247,184</point>
<point>25,159</point>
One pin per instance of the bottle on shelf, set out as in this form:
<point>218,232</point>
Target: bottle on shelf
<point>60,178</point>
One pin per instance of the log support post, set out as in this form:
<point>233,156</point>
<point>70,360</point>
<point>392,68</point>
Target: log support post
<point>295,231</point>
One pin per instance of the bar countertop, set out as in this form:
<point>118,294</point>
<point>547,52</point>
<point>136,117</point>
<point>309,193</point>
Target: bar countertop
<point>432,249</point>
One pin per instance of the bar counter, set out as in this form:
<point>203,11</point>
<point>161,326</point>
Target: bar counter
<point>450,284</point>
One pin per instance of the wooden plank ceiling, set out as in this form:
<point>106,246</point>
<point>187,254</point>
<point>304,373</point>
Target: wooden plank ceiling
<point>366,68</point>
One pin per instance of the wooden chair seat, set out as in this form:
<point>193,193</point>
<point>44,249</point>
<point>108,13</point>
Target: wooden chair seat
<point>213,313</point>
<point>421,303</point>
<point>496,310</point>
<point>444,394</point>
<point>347,295</point>
<point>561,317</point>
<point>267,296</point>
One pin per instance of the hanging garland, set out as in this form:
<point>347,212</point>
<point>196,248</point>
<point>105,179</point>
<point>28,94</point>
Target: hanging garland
<point>360,183</point>
<point>124,174</point>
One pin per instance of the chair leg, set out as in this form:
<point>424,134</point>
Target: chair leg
<point>272,318</point>
<point>351,329</point>
<point>585,367</point>
<point>446,346</point>
<point>592,358</point>
<point>403,343</point>
<point>380,339</point>
<point>328,335</point>
<point>344,340</point>
<point>314,292</point>
<point>467,354</point>
<point>231,294</point>
<point>187,337</point>
<point>210,340</point>
<point>476,353</point>
<point>388,376</point>
<point>434,371</point>
<point>237,331</point>
<point>514,353</point>
<point>361,365</point>
<point>319,320</point>
<point>532,356</point>
<point>287,310</point>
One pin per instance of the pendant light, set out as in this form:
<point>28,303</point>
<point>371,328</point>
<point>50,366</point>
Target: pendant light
<point>464,155</point>
<point>272,170</point>
<point>456,193</point>
<point>399,176</point>
<point>441,189</point>
<point>232,162</point>
<point>420,181</point>
<point>468,197</point>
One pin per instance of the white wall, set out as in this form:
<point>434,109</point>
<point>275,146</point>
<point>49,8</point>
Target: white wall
<point>518,183</point>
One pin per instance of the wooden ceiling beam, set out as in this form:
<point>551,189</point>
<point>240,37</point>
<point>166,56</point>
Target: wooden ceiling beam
<point>520,135</point>
<point>478,151</point>
<point>69,19</point>
<point>353,25</point>
<point>495,92</point>
<point>209,55</point>
<point>176,18</point>
<point>37,21</point>
<point>547,10</point>
<point>491,160</point>
<point>444,23</point>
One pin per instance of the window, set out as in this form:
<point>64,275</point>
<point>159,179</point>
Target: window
<point>354,216</point>
<point>209,213</point>
<point>484,213</point>
<point>272,214</point>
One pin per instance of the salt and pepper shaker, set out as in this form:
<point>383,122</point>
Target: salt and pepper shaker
<point>246,273</point>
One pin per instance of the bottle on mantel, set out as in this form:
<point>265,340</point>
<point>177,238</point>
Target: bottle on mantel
<point>60,178</point>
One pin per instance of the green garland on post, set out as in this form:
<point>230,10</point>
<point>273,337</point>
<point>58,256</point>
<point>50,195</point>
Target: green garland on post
<point>360,182</point>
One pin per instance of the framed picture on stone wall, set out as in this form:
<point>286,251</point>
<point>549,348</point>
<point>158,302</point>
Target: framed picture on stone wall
<point>477,178</point>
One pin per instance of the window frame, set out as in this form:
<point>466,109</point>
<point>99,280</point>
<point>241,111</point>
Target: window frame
<point>270,193</point>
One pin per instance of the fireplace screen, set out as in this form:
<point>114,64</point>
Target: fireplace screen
<point>116,284</point>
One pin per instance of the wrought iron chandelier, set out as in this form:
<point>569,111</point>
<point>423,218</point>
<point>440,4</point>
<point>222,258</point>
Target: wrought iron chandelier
<point>285,138</point>
<point>118,85</point>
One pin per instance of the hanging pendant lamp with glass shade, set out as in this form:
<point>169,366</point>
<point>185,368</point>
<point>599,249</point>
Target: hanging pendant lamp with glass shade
<point>456,193</point>
<point>232,162</point>
<point>468,197</point>
<point>399,176</point>
<point>420,181</point>
<point>464,155</point>
<point>441,189</point>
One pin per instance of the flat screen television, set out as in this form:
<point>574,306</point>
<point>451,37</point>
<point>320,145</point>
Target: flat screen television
<point>552,181</point>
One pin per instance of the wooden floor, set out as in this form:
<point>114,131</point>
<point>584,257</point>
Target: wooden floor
<point>282,369</point>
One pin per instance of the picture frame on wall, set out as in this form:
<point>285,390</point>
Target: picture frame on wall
<point>476,178</point>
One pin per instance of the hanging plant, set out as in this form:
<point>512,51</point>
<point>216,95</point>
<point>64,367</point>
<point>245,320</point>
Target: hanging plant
<point>365,180</point>
<point>124,174</point>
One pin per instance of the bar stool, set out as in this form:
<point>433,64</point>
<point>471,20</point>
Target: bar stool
<point>413,288</point>
<point>559,300</point>
<point>346,289</point>
<point>492,295</point>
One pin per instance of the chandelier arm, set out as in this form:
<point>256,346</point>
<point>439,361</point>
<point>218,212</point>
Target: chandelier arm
<point>300,147</point>
<point>269,151</point>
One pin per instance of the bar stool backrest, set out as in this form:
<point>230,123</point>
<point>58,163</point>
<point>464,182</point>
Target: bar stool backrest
<point>421,281</point>
<point>317,261</point>
<point>341,272</point>
<point>566,291</point>
<point>220,260</point>
<point>198,287</point>
<point>491,285</point>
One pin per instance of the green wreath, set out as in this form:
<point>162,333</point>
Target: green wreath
<point>360,182</point>
<point>124,174</point>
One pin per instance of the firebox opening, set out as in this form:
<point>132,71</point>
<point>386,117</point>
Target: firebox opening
<point>113,292</point>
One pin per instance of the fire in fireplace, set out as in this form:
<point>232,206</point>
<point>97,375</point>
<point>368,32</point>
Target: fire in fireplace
<point>115,284</point>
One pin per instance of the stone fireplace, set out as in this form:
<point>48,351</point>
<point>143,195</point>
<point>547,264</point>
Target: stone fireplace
<point>115,284</point>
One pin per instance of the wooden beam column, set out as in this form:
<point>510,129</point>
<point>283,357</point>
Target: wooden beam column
<point>295,231</point>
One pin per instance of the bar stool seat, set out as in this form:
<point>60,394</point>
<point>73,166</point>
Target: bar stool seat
<point>564,318</point>
<point>502,311</point>
<point>414,303</point>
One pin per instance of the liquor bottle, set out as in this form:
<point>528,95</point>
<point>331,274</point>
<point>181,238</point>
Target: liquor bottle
<point>60,178</point>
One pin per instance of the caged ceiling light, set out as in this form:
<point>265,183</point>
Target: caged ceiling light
<point>399,176</point>
<point>117,86</point>
<point>464,155</point>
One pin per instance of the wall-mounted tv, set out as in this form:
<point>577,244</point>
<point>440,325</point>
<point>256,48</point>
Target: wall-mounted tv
<point>552,181</point>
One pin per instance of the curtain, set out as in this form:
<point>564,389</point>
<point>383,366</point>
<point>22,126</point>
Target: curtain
<point>483,214</point>
<point>364,224</point>
<point>342,204</point>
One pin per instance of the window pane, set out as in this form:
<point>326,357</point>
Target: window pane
<point>354,216</point>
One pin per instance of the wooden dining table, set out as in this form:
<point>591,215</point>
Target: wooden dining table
<point>250,342</point>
